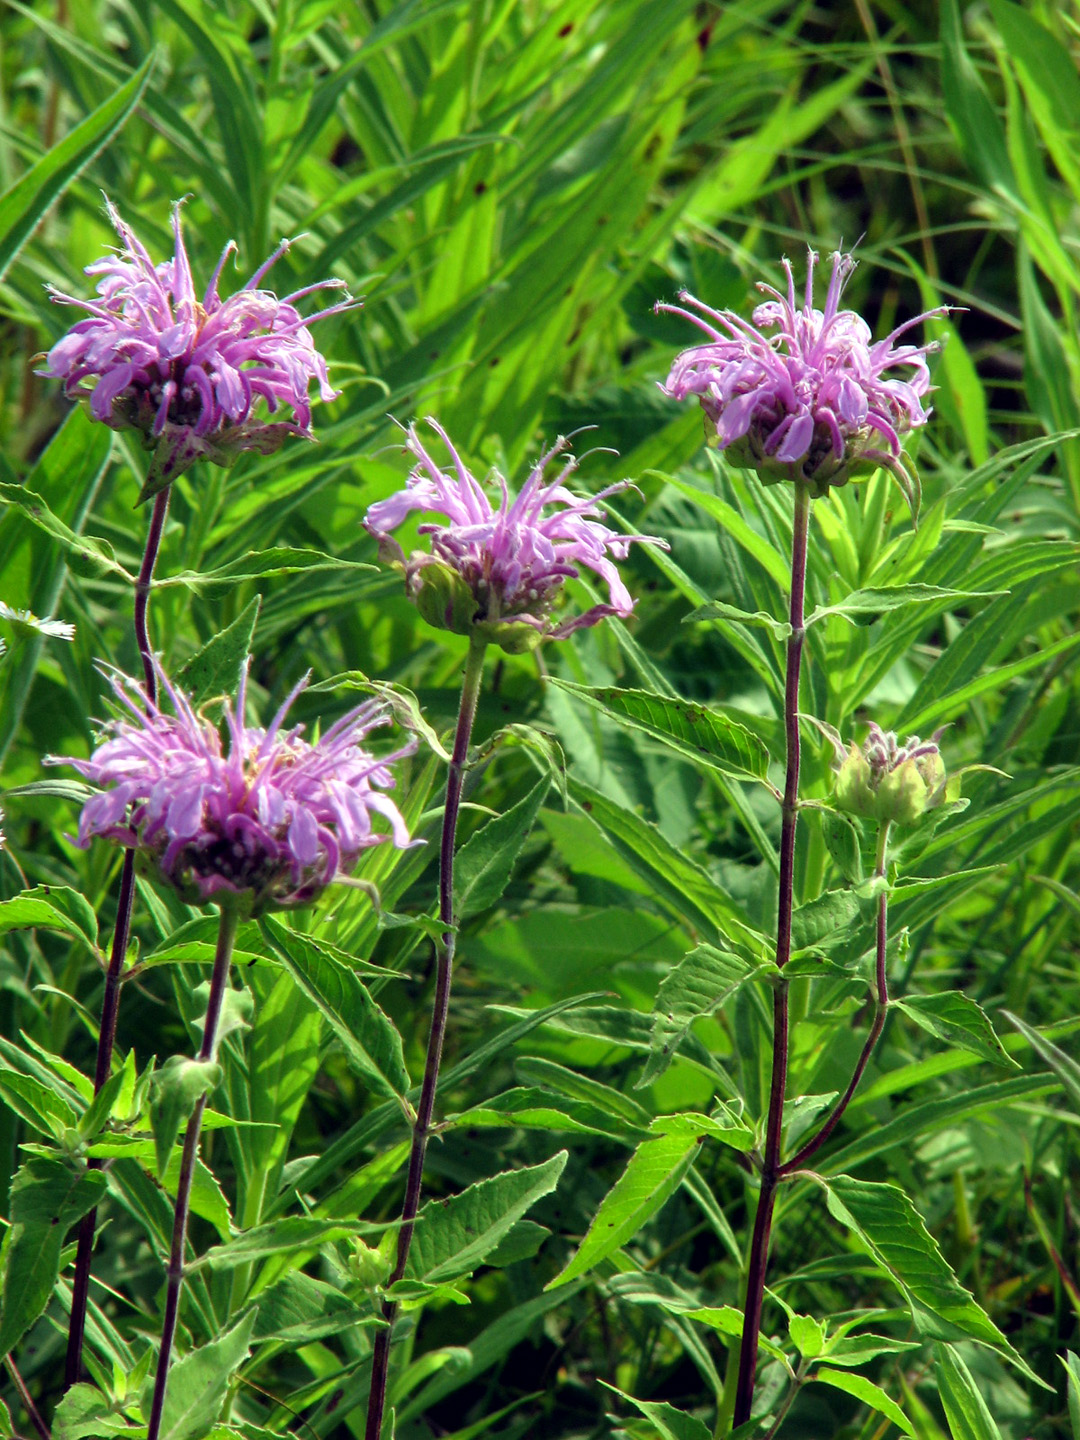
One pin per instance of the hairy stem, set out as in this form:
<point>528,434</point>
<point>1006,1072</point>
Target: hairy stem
<point>881,1009</point>
<point>219,980</point>
<point>110,1001</point>
<point>380,1361</point>
<point>770,1170</point>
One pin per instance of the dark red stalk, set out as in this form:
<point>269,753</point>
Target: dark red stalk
<point>881,1009</point>
<point>28,1404</point>
<point>219,980</point>
<point>770,1169</point>
<point>380,1360</point>
<point>110,1002</point>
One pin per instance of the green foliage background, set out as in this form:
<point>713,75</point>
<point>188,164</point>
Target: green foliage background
<point>511,184</point>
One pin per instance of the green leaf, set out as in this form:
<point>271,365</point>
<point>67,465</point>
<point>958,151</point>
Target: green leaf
<point>874,602</point>
<point>484,864</point>
<point>700,734</point>
<point>52,907</point>
<point>47,1198</point>
<point>86,1414</point>
<point>258,565</point>
<point>970,110</point>
<point>176,1089</point>
<point>700,984</point>
<point>1063,1065</point>
<point>533,1108</point>
<point>807,1335</point>
<point>371,1043</point>
<point>965,1409</point>
<point>672,1424</point>
<point>199,1382</point>
<point>37,1103</point>
<point>214,670</point>
<point>651,1176</point>
<point>866,1391</point>
<point>959,1021</point>
<point>1072,1370</point>
<point>719,610</point>
<point>26,202</point>
<point>454,1236</point>
<point>888,1224</point>
<point>97,553</point>
<point>823,921</point>
<point>293,1232</point>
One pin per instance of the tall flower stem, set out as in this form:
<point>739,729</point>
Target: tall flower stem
<point>219,980</point>
<point>771,1168</point>
<point>110,1002</point>
<point>881,1009</point>
<point>380,1361</point>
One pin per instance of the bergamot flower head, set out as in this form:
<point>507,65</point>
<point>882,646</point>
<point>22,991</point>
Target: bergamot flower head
<point>26,624</point>
<point>268,816</point>
<point>497,570</point>
<point>188,372</point>
<point>805,394</point>
<point>888,782</point>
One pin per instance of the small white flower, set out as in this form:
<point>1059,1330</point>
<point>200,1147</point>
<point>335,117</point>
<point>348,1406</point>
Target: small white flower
<point>26,623</point>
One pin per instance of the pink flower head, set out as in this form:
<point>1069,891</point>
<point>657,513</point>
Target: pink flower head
<point>499,569</point>
<point>186,372</point>
<point>813,401</point>
<point>270,816</point>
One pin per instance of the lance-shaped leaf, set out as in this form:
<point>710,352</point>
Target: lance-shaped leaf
<point>702,735</point>
<point>965,1409</point>
<point>955,1018</point>
<point>669,1423</point>
<point>52,907</point>
<point>889,1226</point>
<point>699,985</point>
<point>371,1043</point>
<point>866,1391</point>
<point>454,1236</point>
<point>484,864</point>
<point>866,605</point>
<point>199,1383</point>
<point>213,669</point>
<point>47,1198</point>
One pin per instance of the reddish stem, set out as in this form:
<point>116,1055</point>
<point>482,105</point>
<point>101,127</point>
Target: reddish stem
<point>380,1360</point>
<point>110,1001</point>
<point>770,1170</point>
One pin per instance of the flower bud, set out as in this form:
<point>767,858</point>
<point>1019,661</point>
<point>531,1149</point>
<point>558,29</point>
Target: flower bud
<point>888,782</point>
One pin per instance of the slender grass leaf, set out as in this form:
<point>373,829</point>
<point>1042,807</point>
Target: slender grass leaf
<point>26,202</point>
<point>1063,1065</point>
<point>965,1409</point>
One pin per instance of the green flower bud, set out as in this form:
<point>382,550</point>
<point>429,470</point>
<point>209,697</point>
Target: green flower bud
<point>889,782</point>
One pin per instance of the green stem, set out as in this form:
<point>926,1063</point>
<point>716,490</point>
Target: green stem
<point>470,694</point>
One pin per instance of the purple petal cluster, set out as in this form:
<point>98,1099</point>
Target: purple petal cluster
<point>509,560</point>
<point>188,372</point>
<point>813,398</point>
<point>267,816</point>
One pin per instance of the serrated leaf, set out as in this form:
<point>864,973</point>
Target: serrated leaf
<point>292,1232</point>
<point>177,1088</point>
<point>700,734</point>
<point>215,669</point>
<point>369,1039</point>
<point>880,600</point>
<point>86,1414</point>
<point>807,1335</point>
<point>484,864</point>
<point>965,1409</point>
<point>955,1018</point>
<point>534,1108</point>
<point>670,1423</point>
<point>888,1224</point>
<point>719,610</point>
<point>701,983</point>
<point>454,1236</point>
<point>199,1382</point>
<point>52,907</point>
<point>47,1198</point>
<point>650,1178</point>
<point>259,565</point>
<point>866,1391</point>
<point>821,922</point>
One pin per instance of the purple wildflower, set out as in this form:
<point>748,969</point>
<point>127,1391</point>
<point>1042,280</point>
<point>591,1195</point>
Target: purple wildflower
<point>500,569</point>
<point>812,402</point>
<point>186,372</point>
<point>890,782</point>
<point>271,817</point>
